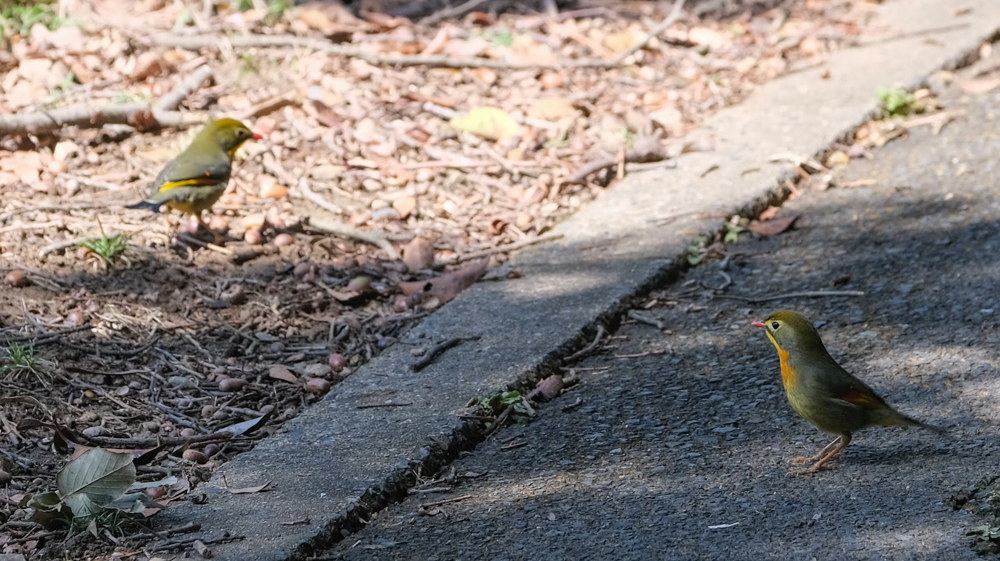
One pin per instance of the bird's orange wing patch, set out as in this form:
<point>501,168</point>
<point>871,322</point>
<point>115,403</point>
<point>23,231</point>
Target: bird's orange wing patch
<point>862,397</point>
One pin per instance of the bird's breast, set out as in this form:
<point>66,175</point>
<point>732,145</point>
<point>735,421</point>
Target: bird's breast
<point>788,375</point>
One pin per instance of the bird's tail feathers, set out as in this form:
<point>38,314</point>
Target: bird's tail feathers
<point>905,421</point>
<point>146,205</point>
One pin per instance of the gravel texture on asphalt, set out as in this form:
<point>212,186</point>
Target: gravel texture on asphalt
<point>685,454</point>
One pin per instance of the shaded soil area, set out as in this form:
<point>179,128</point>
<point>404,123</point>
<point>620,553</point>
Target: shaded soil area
<point>676,442</point>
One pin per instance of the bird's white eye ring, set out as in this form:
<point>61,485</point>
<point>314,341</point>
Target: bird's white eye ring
<point>775,325</point>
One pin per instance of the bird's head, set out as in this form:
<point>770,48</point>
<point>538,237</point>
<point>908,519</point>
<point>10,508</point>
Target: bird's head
<point>790,332</point>
<point>227,134</point>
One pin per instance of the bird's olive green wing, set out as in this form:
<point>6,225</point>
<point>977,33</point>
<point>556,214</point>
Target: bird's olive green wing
<point>185,177</point>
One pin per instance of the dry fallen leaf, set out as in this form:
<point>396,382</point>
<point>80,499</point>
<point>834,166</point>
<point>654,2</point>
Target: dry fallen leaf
<point>768,213</point>
<point>978,86</point>
<point>446,287</point>
<point>248,490</point>
<point>772,227</point>
<point>419,254</point>
<point>279,372</point>
<point>489,122</point>
<point>552,109</point>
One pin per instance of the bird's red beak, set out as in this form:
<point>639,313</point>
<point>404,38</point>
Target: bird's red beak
<point>757,324</point>
<point>256,136</point>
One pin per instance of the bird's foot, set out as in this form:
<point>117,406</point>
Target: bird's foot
<point>816,468</point>
<point>804,460</point>
<point>219,238</point>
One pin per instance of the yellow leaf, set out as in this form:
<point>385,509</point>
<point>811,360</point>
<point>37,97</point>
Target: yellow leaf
<point>488,122</point>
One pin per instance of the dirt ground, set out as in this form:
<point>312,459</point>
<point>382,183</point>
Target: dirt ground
<point>676,442</point>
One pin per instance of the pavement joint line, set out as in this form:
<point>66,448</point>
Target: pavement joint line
<point>465,435</point>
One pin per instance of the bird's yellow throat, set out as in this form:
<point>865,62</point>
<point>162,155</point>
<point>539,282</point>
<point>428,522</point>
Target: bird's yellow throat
<point>787,372</point>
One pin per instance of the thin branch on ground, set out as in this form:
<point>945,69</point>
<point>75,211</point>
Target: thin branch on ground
<point>339,228</point>
<point>438,350</point>
<point>644,152</point>
<point>90,182</point>
<point>185,88</point>
<point>195,42</point>
<point>589,348</point>
<point>138,115</point>
<point>61,245</point>
<point>672,17</point>
<point>57,208</point>
<point>508,247</point>
<point>802,294</point>
<point>453,12</point>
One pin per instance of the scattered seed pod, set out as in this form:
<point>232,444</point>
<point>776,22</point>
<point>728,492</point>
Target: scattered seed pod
<point>208,410</point>
<point>231,384</point>
<point>337,362</point>
<point>155,492</point>
<point>187,433</point>
<point>76,317</point>
<point>317,386</point>
<point>16,278</point>
<point>5,477</point>
<point>211,449</point>
<point>195,456</point>
<point>83,253</point>
<point>302,269</point>
<point>400,304</point>
<point>359,283</point>
<point>219,224</point>
<point>283,240</point>
<point>252,237</point>
<point>273,191</point>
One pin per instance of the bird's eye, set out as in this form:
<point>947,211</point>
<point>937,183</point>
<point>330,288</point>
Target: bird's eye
<point>775,325</point>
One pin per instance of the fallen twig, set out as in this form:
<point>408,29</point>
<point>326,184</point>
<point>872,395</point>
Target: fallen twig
<point>672,17</point>
<point>51,208</point>
<point>589,348</point>
<point>643,153</point>
<point>313,196</point>
<point>90,182</point>
<point>433,354</point>
<point>634,314</point>
<point>644,354</point>
<point>139,115</point>
<point>803,294</point>
<point>445,501</point>
<point>185,88</point>
<point>453,12</point>
<point>194,42</point>
<point>58,246</point>
<point>937,121</point>
<point>341,229</point>
<point>508,247</point>
<point>43,338</point>
<point>386,404</point>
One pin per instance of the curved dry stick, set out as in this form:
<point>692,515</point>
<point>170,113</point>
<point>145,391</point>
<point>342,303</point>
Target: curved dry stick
<point>139,115</point>
<point>194,42</point>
